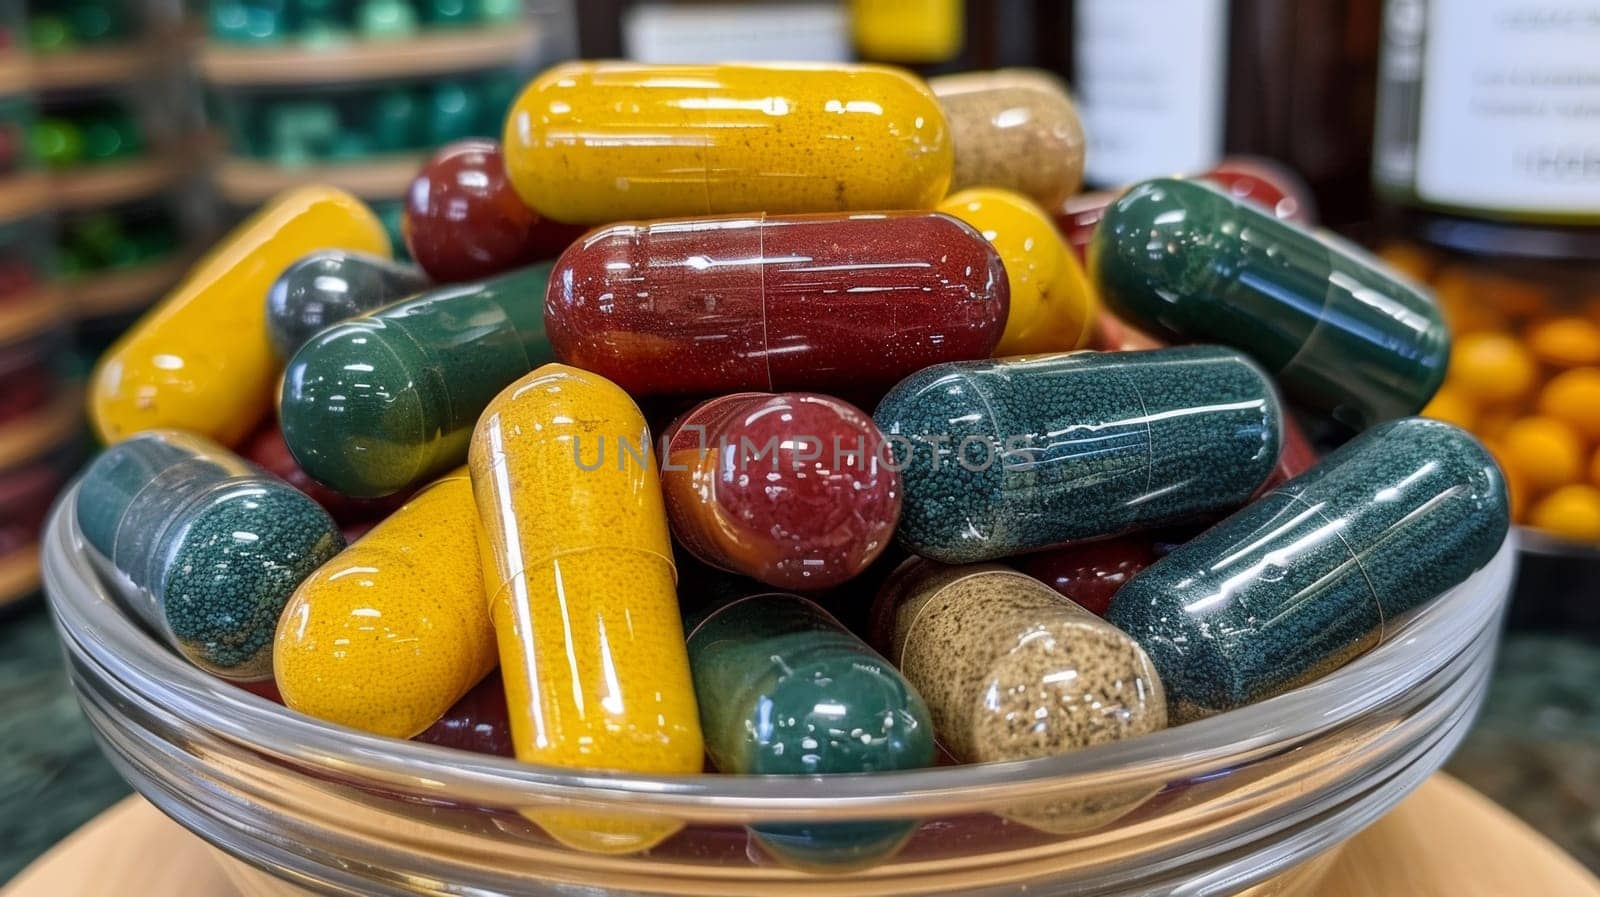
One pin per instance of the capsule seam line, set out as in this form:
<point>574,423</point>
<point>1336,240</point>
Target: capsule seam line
<point>1383,623</point>
<point>1149,435</point>
<point>761,253</point>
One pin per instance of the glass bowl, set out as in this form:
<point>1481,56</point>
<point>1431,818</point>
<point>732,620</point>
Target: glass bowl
<point>1248,801</point>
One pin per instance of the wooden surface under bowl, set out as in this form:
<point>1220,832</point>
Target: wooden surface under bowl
<point>1446,840</point>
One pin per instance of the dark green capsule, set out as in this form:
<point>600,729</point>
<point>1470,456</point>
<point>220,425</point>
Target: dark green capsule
<point>1304,579</point>
<point>784,689</point>
<point>206,547</point>
<point>1006,456</point>
<point>1185,262</point>
<point>387,400</point>
<point>329,286</point>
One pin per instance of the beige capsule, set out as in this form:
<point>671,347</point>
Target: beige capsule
<point>1013,128</point>
<point>1011,670</point>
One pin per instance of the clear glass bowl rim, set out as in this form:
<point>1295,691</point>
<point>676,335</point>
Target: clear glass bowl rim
<point>100,629</point>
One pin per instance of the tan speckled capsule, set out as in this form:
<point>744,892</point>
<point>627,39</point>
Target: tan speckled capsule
<point>1013,128</point>
<point>1011,670</point>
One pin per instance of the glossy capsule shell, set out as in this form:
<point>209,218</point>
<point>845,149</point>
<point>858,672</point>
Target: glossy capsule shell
<point>578,566</point>
<point>1053,308</point>
<point>785,689</point>
<point>327,287</point>
<point>1013,671</point>
<point>1314,572</point>
<point>595,142</point>
<point>387,400</point>
<point>1015,129</point>
<point>791,489</point>
<point>389,634</point>
<point>204,546</point>
<point>1184,262</point>
<point>201,360</point>
<point>1013,455</point>
<point>831,303</point>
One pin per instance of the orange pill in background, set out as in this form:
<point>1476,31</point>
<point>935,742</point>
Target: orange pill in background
<point>1571,512</point>
<point>1491,368</point>
<point>1547,451</point>
<point>1409,259</point>
<point>1565,342</point>
<point>1573,397</point>
<point>1493,424</point>
<point>1453,290</point>
<point>1452,406</point>
<point>1516,487</point>
<point>1512,296</point>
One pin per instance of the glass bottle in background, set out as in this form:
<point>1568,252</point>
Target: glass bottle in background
<point>1491,109</point>
<point>1487,155</point>
<point>1168,86</point>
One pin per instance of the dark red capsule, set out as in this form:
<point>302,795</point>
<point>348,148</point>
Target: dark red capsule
<point>478,722</point>
<point>464,222</point>
<point>793,489</point>
<point>835,303</point>
<point>269,452</point>
<point>1091,572</point>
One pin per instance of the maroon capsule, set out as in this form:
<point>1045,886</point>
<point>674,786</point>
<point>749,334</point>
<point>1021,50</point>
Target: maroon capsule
<point>464,222</point>
<point>268,451</point>
<point>479,722</point>
<point>1091,572</point>
<point>792,489</point>
<point>837,303</point>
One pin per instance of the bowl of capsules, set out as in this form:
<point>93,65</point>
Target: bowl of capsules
<point>720,505</point>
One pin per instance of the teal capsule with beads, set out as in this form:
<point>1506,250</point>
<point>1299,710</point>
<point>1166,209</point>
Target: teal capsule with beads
<point>1314,572</point>
<point>387,400</point>
<point>329,286</point>
<point>205,547</point>
<point>784,689</point>
<point>1187,263</point>
<point>1006,456</point>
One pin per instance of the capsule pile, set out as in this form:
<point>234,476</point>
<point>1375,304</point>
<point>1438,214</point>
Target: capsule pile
<point>845,363</point>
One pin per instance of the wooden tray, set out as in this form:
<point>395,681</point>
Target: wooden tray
<point>1444,841</point>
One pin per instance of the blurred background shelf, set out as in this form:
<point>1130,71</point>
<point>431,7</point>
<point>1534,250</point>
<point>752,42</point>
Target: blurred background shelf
<point>440,53</point>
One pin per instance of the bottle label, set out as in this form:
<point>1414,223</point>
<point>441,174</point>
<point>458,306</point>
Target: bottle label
<point>1510,117</point>
<point>796,32</point>
<point>1151,84</point>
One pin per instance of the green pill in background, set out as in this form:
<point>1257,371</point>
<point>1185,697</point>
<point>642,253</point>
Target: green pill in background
<point>1341,335</point>
<point>387,400</point>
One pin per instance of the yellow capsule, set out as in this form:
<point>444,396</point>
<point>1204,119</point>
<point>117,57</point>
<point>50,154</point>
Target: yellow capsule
<point>591,143</point>
<point>1053,307</point>
<point>200,360</point>
<point>583,591</point>
<point>392,631</point>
